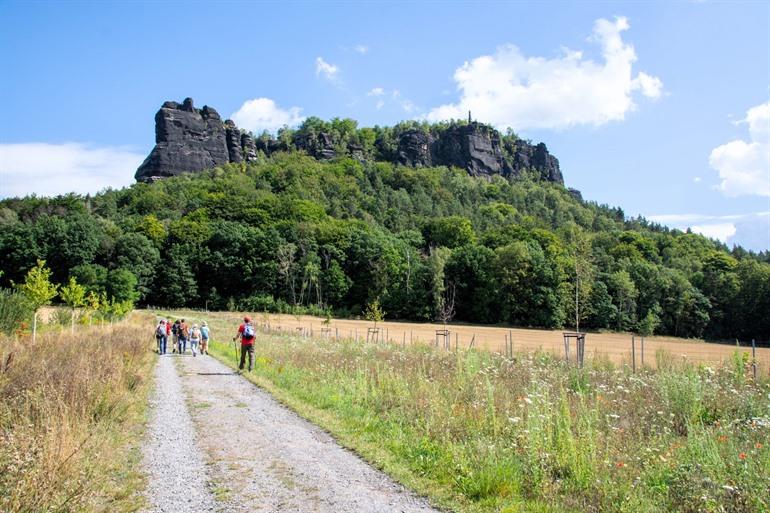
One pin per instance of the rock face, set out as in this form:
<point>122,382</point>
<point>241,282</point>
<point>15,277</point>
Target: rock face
<point>190,139</point>
<point>233,139</point>
<point>478,149</point>
<point>473,147</point>
<point>186,139</point>
<point>415,149</point>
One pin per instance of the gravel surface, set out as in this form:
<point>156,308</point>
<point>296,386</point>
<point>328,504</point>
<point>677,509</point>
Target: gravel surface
<point>173,462</point>
<point>264,458</point>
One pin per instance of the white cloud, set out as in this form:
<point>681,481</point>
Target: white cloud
<point>362,49</point>
<point>752,230</point>
<point>380,104</point>
<point>508,89</point>
<point>51,169</point>
<point>377,91</point>
<point>697,179</point>
<point>329,71</point>
<point>263,114</point>
<point>744,167</point>
<point>719,231</point>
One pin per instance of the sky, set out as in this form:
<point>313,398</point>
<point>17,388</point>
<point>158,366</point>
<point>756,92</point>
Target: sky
<point>660,108</point>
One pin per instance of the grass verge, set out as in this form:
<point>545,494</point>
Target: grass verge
<point>72,410</point>
<point>478,432</point>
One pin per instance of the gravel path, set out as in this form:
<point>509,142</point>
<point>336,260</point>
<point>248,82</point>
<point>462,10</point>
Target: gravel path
<point>174,464</point>
<point>264,458</point>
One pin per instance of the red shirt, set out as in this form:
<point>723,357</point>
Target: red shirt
<point>245,341</point>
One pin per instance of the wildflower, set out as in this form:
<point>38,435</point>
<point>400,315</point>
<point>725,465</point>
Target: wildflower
<point>620,464</point>
<point>722,438</point>
<point>757,445</point>
<point>742,456</point>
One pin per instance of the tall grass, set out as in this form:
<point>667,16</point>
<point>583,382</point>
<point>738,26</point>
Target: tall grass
<point>481,432</point>
<point>69,404</point>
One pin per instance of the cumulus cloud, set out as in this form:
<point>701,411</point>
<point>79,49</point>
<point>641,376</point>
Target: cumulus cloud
<point>52,169</point>
<point>263,114</point>
<point>744,166</point>
<point>509,89</point>
<point>325,69</point>
<point>750,230</point>
<point>395,95</point>
<point>719,231</point>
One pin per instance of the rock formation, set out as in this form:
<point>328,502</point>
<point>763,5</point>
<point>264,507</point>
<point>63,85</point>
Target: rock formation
<point>190,139</point>
<point>473,147</point>
<point>186,139</point>
<point>415,149</point>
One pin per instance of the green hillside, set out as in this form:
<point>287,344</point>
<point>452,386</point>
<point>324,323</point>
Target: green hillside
<point>290,231</point>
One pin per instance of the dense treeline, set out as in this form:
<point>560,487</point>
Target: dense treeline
<point>290,231</point>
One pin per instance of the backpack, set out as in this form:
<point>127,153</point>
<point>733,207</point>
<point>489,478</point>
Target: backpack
<point>160,330</point>
<point>195,334</point>
<point>248,331</point>
<point>175,329</point>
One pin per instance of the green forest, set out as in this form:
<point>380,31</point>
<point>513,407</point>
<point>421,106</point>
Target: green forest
<point>288,233</point>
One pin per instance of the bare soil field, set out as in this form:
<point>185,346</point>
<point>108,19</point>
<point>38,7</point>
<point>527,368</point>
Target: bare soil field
<point>614,346</point>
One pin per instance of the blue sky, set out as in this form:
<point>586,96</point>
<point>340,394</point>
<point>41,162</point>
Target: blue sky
<point>661,108</point>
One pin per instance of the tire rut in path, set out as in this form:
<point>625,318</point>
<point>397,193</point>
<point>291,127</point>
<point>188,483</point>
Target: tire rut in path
<point>271,460</point>
<point>173,462</point>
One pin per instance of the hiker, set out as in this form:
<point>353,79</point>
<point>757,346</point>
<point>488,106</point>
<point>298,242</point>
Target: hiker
<point>175,331</point>
<point>204,338</point>
<point>246,334</point>
<point>182,332</point>
<point>161,336</point>
<point>195,339</point>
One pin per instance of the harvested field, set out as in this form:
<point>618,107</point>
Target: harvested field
<point>615,347</point>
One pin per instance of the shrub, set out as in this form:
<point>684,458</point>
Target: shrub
<point>14,310</point>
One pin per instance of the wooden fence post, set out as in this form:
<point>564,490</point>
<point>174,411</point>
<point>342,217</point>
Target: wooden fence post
<point>633,353</point>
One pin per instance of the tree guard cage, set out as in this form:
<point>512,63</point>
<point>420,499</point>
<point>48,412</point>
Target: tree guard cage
<point>445,337</point>
<point>580,346</point>
<point>372,334</point>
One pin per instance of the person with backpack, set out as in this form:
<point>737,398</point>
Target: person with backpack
<point>175,332</point>
<point>246,333</point>
<point>205,333</point>
<point>160,336</point>
<point>195,339</point>
<point>182,333</point>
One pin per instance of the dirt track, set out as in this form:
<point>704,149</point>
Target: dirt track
<point>614,346</point>
<point>219,443</point>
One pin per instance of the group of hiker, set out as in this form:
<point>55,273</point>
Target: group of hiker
<point>181,333</point>
<point>198,337</point>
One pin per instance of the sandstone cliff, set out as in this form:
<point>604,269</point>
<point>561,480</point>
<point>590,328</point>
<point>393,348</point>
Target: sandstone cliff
<point>190,139</point>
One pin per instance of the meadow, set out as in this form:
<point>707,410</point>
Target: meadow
<point>479,431</point>
<point>72,407</point>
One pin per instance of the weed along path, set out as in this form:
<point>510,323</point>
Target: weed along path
<point>253,454</point>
